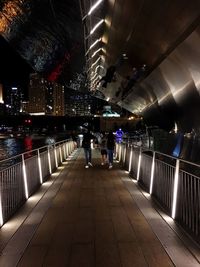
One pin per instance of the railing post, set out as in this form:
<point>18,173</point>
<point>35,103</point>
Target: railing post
<point>152,173</point>
<point>139,163</point>
<point>130,160</point>
<point>120,152</point>
<point>60,154</point>
<point>175,191</point>
<point>124,156</point>
<point>64,151</point>
<point>55,154</point>
<point>49,160</point>
<point>25,177</point>
<point>39,166</point>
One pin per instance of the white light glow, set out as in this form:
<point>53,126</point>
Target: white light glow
<point>39,166</point>
<point>98,50</point>
<point>152,174</point>
<point>55,154</point>
<point>130,161</point>
<point>139,164</point>
<point>49,160</point>
<point>176,181</point>
<point>92,45</point>
<point>94,7</point>
<point>99,66</point>
<point>175,127</point>
<point>95,62</point>
<point>96,26</point>
<point>25,178</point>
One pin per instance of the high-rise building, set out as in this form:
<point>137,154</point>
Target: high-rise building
<point>13,99</point>
<point>82,104</point>
<point>45,98</point>
<point>37,90</point>
<point>58,100</point>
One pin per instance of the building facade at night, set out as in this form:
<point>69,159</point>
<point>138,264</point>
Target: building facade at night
<point>82,104</point>
<point>45,98</point>
<point>13,98</point>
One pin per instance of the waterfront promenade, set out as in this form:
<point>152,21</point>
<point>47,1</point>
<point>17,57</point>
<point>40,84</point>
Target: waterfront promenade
<point>92,217</point>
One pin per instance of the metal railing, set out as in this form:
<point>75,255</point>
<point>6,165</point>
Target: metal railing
<point>22,175</point>
<point>173,182</point>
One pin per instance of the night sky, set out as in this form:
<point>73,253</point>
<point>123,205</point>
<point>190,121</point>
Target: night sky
<point>13,69</point>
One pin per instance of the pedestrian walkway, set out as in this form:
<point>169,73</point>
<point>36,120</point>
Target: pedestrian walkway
<point>91,217</point>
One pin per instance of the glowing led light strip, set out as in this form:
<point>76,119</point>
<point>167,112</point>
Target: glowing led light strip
<point>24,177</point>
<point>55,154</point>
<point>139,164</point>
<point>176,181</point>
<point>49,160</point>
<point>152,174</point>
<point>92,78</point>
<point>95,62</point>
<point>94,7</point>
<point>96,26</point>
<point>95,80</point>
<point>130,160</point>
<point>92,45</point>
<point>98,50</point>
<point>39,166</point>
<point>99,66</point>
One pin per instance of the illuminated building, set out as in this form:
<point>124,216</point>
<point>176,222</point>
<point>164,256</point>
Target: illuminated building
<point>58,100</point>
<point>79,104</point>
<point>37,90</point>
<point>45,98</point>
<point>13,99</point>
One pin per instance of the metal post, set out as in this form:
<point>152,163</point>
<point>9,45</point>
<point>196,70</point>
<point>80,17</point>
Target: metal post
<point>139,163</point>
<point>25,177</point>
<point>130,160</point>
<point>152,174</point>
<point>55,154</point>
<point>176,182</point>
<point>49,160</point>
<point>39,166</point>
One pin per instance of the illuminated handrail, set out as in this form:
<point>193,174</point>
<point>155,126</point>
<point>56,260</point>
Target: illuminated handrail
<point>19,180</point>
<point>172,185</point>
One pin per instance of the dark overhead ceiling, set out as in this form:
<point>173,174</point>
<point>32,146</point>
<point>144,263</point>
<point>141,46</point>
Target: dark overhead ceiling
<point>48,34</point>
<point>54,38</point>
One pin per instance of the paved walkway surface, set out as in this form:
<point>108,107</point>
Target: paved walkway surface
<point>90,217</point>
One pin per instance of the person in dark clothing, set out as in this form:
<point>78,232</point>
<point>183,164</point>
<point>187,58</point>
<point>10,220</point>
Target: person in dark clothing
<point>110,148</point>
<point>86,144</point>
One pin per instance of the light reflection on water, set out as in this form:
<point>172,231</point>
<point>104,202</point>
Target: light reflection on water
<point>13,146</point>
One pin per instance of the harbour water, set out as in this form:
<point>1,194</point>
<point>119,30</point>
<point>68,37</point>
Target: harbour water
<point>10,147</point>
